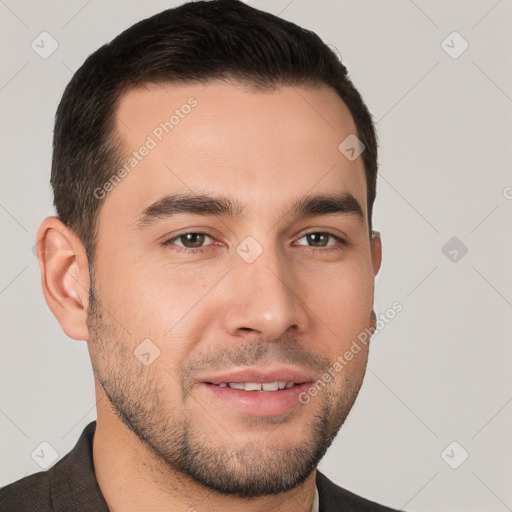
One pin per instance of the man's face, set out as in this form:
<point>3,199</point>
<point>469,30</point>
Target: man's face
<point>266,295</point>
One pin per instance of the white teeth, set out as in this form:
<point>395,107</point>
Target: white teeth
<point>252,386</point>
<point>256,386</point>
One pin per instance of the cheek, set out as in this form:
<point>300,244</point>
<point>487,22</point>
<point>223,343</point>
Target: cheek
<point>163,304</point>
<point>343,299</point>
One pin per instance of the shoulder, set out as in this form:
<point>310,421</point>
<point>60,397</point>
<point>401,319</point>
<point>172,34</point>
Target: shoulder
<point>29,493</point>
<point>68,485</point>
<point>336,499</point>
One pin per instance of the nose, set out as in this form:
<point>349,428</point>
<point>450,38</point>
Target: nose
<point>265,298</point>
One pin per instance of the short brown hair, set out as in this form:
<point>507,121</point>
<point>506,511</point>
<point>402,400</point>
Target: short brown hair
<point>195,42</point>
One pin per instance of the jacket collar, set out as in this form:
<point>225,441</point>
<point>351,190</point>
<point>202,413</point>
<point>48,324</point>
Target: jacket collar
<point>73,484</point>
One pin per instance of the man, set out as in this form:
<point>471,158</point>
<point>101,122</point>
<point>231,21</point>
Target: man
<point>214,172</point>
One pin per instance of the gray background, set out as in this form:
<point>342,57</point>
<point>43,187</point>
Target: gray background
<point>440,371</point>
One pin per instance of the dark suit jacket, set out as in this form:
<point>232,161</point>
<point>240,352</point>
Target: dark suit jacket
<point>71,486</point>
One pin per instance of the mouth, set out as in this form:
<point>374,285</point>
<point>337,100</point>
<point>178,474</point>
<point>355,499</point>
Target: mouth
<point>256,392</point>
<point>277,385</point>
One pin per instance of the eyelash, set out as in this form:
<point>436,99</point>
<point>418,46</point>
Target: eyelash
<point>187,250</point>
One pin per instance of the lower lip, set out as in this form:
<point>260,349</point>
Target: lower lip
<point>259,403</point>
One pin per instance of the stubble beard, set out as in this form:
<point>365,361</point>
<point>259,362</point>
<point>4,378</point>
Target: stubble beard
<point>190,447</point>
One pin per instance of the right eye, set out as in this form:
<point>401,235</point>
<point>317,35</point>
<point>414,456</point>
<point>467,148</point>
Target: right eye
<point>191,241</point>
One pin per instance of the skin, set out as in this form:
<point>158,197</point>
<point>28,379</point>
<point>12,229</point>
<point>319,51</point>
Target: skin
<point>211,310</point>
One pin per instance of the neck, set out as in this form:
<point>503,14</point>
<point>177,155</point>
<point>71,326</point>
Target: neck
<point>132,478</point>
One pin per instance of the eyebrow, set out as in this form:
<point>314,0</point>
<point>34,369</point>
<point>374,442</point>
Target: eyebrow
<point>221,206</point>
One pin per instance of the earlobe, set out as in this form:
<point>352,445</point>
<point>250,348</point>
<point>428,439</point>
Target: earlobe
<point>64,276</point>
<point>376,248</point>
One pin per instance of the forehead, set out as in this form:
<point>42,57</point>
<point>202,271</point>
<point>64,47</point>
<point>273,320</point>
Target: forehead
<point>264,147</point>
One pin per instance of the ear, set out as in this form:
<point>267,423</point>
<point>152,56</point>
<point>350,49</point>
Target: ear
<point>373,321</point>
<point>376,249</point>
<point>64,276</point>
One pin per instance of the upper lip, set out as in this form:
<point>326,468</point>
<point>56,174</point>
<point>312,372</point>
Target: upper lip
<point>261,375</point>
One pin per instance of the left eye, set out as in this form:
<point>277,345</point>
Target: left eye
<point>321,238</point>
